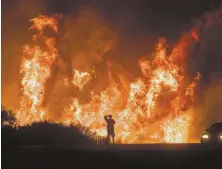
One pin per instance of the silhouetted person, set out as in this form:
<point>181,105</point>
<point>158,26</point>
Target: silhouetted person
<point>110,127</point>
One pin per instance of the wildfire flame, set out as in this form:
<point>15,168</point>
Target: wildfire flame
<point>150,109</point>
<point>36,69</point>
<point>80,78</point>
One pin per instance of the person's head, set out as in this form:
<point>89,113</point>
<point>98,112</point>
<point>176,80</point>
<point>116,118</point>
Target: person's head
<point>110,116</point>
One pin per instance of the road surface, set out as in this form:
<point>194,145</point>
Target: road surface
<point>114,156</point>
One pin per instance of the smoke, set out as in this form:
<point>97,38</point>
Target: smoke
<point>84,44</point>
<point>205,57</point>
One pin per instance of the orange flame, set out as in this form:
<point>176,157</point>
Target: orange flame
<point>36,69</point>
<point>80,78</point>
<point>141,116</point>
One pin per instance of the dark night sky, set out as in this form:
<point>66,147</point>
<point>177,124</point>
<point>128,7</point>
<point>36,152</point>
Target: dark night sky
<point>160,16</point>
<point>142,19</point>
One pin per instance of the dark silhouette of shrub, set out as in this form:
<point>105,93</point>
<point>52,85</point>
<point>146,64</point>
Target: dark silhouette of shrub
<point>8,117</point>
<point>45,133</point>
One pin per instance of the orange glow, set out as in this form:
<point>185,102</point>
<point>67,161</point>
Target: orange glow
<point>148,109</point>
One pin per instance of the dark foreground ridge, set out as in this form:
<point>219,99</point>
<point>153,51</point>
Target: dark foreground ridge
<point>114,156</point>
<point>45,145</point>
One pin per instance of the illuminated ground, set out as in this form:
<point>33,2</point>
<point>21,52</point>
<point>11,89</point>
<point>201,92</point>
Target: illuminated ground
<point>115,156</point>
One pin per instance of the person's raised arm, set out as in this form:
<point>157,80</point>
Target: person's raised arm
<point>105,117</point>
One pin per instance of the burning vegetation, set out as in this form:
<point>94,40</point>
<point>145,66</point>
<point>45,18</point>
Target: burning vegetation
<point>155,107</point>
